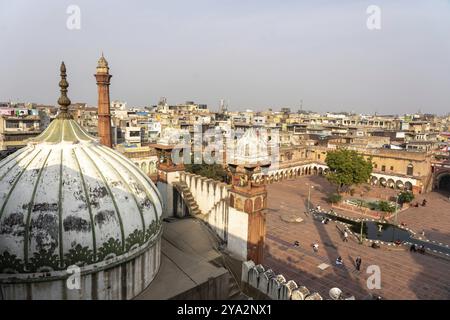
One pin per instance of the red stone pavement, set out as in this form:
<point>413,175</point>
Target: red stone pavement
<point>404,275</point>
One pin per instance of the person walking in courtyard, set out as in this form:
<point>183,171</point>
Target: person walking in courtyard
<point>358,263</point>
<point>315,246</point>
<point>345,236</point>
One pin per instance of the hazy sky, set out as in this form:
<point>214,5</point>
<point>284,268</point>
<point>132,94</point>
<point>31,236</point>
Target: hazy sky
<point>256,54</point>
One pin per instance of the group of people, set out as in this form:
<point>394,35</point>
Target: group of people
<point>339,261</point>
<point>424,203</point>
<point>415,248</point>
<point>358,262</point>
<point>325,220</point>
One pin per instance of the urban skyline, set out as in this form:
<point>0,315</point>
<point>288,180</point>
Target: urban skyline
<point>255,56</point>
<point>225,151</point>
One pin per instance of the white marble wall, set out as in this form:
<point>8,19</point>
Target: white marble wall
<point>276,287</point>
<point>122,281</point>
<point>237,233</point>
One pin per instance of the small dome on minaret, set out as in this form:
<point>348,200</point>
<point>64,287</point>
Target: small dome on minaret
<point>102,65</point>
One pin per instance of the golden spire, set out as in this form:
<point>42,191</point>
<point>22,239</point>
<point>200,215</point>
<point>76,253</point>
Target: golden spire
<point>102,65</point>
<point>63,100</point>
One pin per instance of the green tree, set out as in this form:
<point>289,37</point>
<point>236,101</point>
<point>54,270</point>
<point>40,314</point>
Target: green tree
<point>386,206</point>
<point>212,171</point>
<point>347,168</point>
<point>334,198</point>
<point>405,197</point>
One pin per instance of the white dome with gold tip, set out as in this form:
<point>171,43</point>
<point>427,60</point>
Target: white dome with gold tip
<point>252,148</point>
<point>66,200</point>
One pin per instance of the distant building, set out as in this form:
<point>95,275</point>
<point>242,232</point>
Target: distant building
<point>133,135</point>
<point>17,126</point>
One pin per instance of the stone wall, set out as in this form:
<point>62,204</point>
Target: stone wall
<point>212,199</point>
<point>273,286</point>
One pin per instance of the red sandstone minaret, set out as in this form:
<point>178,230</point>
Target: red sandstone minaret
<point>104,115</point>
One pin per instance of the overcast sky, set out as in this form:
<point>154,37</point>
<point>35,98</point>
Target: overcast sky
<point>256,54</point>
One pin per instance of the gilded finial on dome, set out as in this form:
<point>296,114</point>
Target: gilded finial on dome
<point>102,65</point>
<point>63,100</point>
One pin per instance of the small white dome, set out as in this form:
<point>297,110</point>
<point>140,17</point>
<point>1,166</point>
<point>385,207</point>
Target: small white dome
<point>335,293</point>
<point>173,136</point>
<point>252,148</point>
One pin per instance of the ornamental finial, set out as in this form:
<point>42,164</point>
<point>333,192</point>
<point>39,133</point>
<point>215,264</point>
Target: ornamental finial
<point>63,100</point>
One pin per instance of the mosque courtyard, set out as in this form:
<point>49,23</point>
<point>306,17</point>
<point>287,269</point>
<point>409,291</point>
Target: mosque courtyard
<point>404,274</point>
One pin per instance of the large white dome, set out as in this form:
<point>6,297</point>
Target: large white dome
<point>69,203</point>
<point>65,199</point>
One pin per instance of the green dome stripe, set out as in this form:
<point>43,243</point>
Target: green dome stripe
<point>128,188</point>
<point>88,202</point>
<point>30,210</point>
<point>105,182</point>
<point>16,180</point>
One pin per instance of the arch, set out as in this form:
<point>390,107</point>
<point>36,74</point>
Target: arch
<point>408,186</point>
<point>443,181</point>
<point>248,206</point>
<point>152,167</point>
<point>383,182</point>
<point>315,170</point>
<point>374,180</point>
<point>320,171</point>
<point>144,167</point>
<point>399,184</point>
<point>231,200</point>
<point>238,204</point>
<point>391,183</point>
<point>258,203</point>
<point>410,169</point>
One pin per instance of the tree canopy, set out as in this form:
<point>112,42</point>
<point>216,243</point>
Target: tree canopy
<point>212,171</point>
<point>405,196</point>
<point>346,168</point>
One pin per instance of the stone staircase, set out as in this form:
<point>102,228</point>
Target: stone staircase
<point>191,204</point>
<point>235,292</point>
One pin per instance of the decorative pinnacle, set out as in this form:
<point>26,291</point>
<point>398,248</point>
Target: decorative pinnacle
<point>63,100</point>
<point>102,63</point>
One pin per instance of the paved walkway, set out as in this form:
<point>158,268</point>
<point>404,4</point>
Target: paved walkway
<point>404,275</point>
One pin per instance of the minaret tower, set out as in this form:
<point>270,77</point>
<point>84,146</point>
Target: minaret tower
<point>104,116</point>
